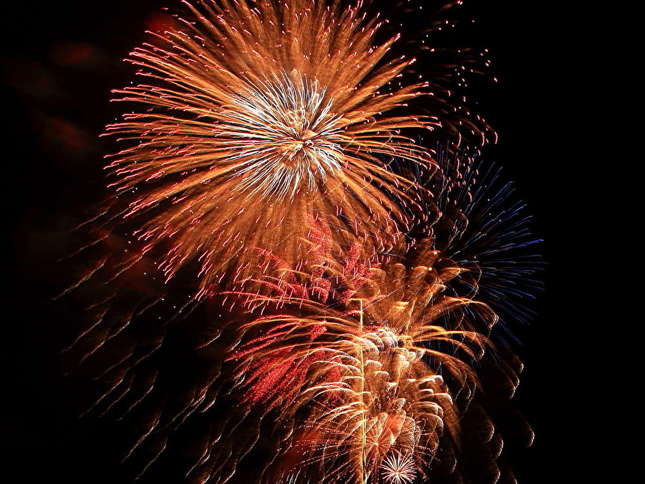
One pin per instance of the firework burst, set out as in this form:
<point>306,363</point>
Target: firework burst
<point>398,469</point>
<point>483,226</point>
<point>256,121</point>
<point>360,359</point>
<point>271,151</point>
<point>372,368</point>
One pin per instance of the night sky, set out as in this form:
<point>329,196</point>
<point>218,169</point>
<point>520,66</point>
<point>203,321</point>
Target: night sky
<point>59,62</point>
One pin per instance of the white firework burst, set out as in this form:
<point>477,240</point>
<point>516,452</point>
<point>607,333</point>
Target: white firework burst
<point>398,468</point>
<point>285,134</point>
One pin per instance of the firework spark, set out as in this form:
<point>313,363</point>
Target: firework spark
<point>256,121</point>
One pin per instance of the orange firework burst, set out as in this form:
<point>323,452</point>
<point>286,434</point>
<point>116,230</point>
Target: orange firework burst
<point>260,119</point>
<point>375,373</point>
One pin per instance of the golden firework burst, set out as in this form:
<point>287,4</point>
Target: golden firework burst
<point>374,367</point>
<point>258,120</point>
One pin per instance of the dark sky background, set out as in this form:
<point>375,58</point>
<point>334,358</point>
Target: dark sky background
<point>59,61</point>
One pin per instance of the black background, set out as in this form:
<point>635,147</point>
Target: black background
<point>55,110</point>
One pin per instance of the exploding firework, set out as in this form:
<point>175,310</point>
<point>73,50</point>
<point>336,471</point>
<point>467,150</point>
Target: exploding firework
<point>485,228</point>
<point>398,469</point>
<point>268,151</point>
<point>258,120</point>
<point>361,359</point>
<point>374,371</point>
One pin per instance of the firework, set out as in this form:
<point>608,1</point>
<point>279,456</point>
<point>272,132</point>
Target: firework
<point>398,469</point>
<point>374,370</point>
<point>351,280</point>
<point>258,120</point>
<point>359,361</point>
<point>485,228</point>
